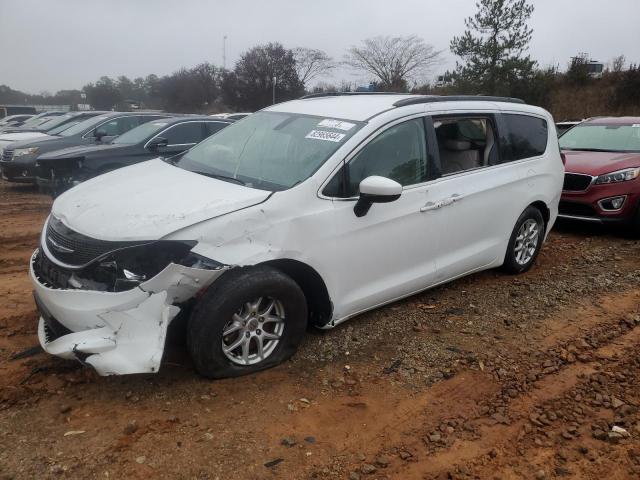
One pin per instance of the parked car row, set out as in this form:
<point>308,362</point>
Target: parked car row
<point>167,137</point>
<point>14,120</point>
<point>61,151</point>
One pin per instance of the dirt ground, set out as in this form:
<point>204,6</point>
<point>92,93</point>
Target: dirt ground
<point>489,377</point>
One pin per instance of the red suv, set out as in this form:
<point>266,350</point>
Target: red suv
<point>602,170</point>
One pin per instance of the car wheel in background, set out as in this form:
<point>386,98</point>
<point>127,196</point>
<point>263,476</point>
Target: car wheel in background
<point>525,242</point>
<point>248,320</point>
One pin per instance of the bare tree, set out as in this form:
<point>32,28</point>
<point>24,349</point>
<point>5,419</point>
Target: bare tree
<point>393,60</point>
<point>311,63</point>
<point>618,63</point>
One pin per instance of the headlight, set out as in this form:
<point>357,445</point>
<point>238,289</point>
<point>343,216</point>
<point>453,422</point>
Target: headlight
<point>619,176</point>
<point>25,151</point>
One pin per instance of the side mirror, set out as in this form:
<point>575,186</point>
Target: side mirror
<point>376,189</point>
<point>157,142</point>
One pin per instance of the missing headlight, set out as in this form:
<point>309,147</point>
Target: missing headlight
<point>126,268</point>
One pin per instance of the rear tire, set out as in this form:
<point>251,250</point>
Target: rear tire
<point>525,242</point>
<point>263,312</point>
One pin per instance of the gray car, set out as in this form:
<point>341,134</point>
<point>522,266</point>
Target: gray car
<point>19,158</point>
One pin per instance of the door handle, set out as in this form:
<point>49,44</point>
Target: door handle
<point>429,206</point>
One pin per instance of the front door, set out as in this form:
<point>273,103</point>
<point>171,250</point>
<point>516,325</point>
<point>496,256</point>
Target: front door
<point>389,252</point>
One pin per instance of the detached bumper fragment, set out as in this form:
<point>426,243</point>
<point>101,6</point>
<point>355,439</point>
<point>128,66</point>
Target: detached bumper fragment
<point>115,332</point>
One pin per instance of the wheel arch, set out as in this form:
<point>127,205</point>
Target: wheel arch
<point>313,286</point>
<point>544,210</point>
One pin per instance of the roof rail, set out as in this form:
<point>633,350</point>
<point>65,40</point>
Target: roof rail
<point>346,94</point>
<point>454,98</point>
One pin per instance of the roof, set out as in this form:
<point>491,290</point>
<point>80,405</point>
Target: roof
<point>192,118</point>
<point>350,107</point>
<point>361,107</point>
<point>613,121</point>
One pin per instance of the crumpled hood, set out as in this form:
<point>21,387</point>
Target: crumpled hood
<point>598,163</point>
<point>148,201</point>
<point>80,150</point>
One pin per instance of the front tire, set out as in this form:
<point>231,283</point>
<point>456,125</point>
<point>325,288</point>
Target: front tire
<point>525,242</point>
<point>250,319</point>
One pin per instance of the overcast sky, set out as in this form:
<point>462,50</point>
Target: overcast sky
<point>53,45</point>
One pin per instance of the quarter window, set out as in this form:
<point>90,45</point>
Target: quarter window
<point>399,153</point>
<point>527,136</point>
<point>465,143</point>
<point>183,133</point>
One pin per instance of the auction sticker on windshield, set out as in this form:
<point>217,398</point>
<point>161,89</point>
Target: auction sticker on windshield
<point>324,135</point>
<point>339,124</point>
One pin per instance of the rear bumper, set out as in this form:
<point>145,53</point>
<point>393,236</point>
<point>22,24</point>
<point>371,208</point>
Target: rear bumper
<point>115,332</point>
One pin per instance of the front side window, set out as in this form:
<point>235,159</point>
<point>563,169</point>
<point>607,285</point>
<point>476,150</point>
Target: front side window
<point>606,138</point>
<point>214,127</point>
<point>527,136</point>
<point>269,150</point>
<point>183,133</point>
<point>398,153</point>
<point>465,143</point>
<point>141,133</point>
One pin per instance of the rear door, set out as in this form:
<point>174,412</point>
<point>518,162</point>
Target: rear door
<point>478,193</point>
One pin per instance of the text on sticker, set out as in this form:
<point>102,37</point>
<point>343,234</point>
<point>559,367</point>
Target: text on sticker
<point>340,125</point>
<point>324,135</point>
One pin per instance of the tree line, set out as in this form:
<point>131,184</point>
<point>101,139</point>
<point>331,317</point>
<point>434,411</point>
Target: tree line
<point>492,54</point>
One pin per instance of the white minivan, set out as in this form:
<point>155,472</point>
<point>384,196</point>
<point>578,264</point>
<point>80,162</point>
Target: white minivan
<point>308,212</point>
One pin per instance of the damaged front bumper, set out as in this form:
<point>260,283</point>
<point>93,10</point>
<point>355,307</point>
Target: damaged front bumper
<point>115,332</point>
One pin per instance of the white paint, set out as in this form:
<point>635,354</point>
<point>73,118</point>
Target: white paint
<point>383,186</point>
<point>143,212</point>
<point>435,232</point>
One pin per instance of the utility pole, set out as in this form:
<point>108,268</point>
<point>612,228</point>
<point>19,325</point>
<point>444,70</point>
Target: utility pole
<point>274,89</point>
<point>224,52</point>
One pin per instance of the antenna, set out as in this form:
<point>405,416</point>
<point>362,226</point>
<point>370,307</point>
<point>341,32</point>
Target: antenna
<point>224,52</point>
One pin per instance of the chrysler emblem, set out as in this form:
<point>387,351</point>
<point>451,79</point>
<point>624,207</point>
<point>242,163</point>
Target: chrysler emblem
<point>59,247</point>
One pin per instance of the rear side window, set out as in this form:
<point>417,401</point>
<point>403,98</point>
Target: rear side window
<point>527,136</point>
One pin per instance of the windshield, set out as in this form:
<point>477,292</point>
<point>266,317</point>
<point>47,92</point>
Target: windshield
<point>54,122</point>
<point>608,138</point>
<point>85,125</point>
<point>269,150</point>
<point>140,133</point>
<point>37,120</point>
<point>60,128</point>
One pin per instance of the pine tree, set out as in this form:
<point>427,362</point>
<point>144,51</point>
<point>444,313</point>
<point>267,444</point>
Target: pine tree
<point>493,47</point>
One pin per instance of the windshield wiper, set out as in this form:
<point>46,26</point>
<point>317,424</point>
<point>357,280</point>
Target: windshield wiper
<point>219,177</point>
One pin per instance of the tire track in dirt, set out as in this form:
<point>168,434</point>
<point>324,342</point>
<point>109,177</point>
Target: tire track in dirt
<point>482,436</point>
